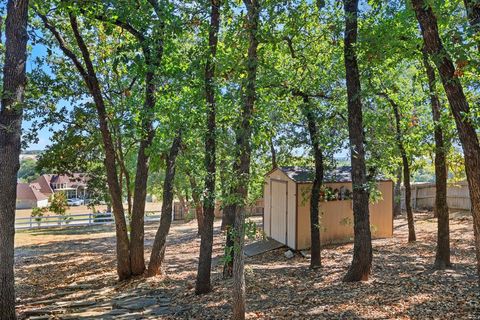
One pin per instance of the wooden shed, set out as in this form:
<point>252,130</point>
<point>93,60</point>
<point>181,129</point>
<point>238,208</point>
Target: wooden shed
<point>287,207</point>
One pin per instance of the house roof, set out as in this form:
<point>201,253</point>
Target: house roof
<point>44,184</point>
<point>306,174</point>
<point>73,180</point>
<point>26,191</point>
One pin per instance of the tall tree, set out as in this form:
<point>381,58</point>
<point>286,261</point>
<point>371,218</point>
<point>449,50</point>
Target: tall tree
<point>89,76</point>
<point>459,107</point>
<point>152,46</point>
<point>13,93</point>
<point>151,41</point>
<point>397,194</point>
<point>442,257</point>
<point>203,284</point>
<point>159,244</point>
<point>362,248</point>
<point>244,149</point>
<point>315,258</point>
<point>406,167</point>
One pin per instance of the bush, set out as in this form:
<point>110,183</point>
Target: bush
<point>38,214</point>
<point>59,205</point>
<point>102,217</point>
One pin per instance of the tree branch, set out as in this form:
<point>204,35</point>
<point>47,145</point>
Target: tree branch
<point>63,46</point>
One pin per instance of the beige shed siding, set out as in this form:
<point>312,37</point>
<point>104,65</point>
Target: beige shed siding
<point>269,198</point>
<point>292,208</point>
<point>337,216</point>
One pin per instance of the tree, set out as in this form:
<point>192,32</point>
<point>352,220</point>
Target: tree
<point>459,107</point>
<point>13,93</point>
<point>88,74</point>
<point>159,244</point>
<point>397,194</point>
<point>58,204</point>
<point>28,170</point>
<point>243,138</point>
<point>205,260</point>
<point>362,248</point>
<point>473,15</point>
<point>152,45</point>
<point>442,257</point>
<point>315,260</point>
<point>406,167</point>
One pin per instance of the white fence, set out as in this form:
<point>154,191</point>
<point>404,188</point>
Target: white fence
<point>75,220</point>
<point>423,196</point>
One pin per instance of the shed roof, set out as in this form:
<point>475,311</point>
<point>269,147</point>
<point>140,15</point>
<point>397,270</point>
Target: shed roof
<point>306,174</point>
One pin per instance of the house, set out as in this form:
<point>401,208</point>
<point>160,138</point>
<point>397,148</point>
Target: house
<point>29,196</point>
<point>37,193</point>
<point>287,207</point>
<point>74,185</point>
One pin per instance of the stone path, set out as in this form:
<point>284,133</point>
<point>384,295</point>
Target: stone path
<point>82,302</point>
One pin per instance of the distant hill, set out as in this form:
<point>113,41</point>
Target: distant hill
<point>37,152</point>
<point>30,154</point>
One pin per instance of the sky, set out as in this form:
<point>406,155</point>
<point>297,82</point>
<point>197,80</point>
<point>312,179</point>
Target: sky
<point>44,134</point>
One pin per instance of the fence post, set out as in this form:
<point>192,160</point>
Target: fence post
<point>30,222</point>
<point>89,218</point>
<point>415,199</point>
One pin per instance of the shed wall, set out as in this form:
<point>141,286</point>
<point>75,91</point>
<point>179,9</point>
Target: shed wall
<point>337,216</point>
<point>274,197</point>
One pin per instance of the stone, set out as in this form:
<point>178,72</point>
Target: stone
<point>117,312</point>
<point>75,304</point>
<point>289,254</point>
<point>37,312</point>
<point>136,303</point>
<point>45,317</point>
<point>159,311</point>
<point>305,254</point>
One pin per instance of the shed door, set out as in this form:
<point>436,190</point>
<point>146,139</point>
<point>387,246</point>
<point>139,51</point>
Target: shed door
<point>278,212</point>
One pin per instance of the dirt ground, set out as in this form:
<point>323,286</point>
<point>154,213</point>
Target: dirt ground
<point>402,286</point>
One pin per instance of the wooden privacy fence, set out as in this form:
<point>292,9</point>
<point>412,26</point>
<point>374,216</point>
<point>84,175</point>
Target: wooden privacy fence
<point>180,212</point>
<point>423,196</point>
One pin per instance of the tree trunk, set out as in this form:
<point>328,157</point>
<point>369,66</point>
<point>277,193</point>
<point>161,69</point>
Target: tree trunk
<point>408,196</point>
<point>14,82</point>
<point>203,284</point>
<point>124,171</point>
<point>197,202</point>
<point>442,257</point>
<point>123,244</point>
<point>244,134</point>
<point>473,15</point>
<point>362,248</point>
<point>224,188</point>
<point>159,244</point>
<point>229,220</point>
<point>274,154</point>
<point>315,260</point>
<point>91,81</point>
<point>459,106</point>
<point>183,204</point>
<point>137,233</point>
<point>397,193</point>
<point>138,209</point>
<point>406,170</point>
